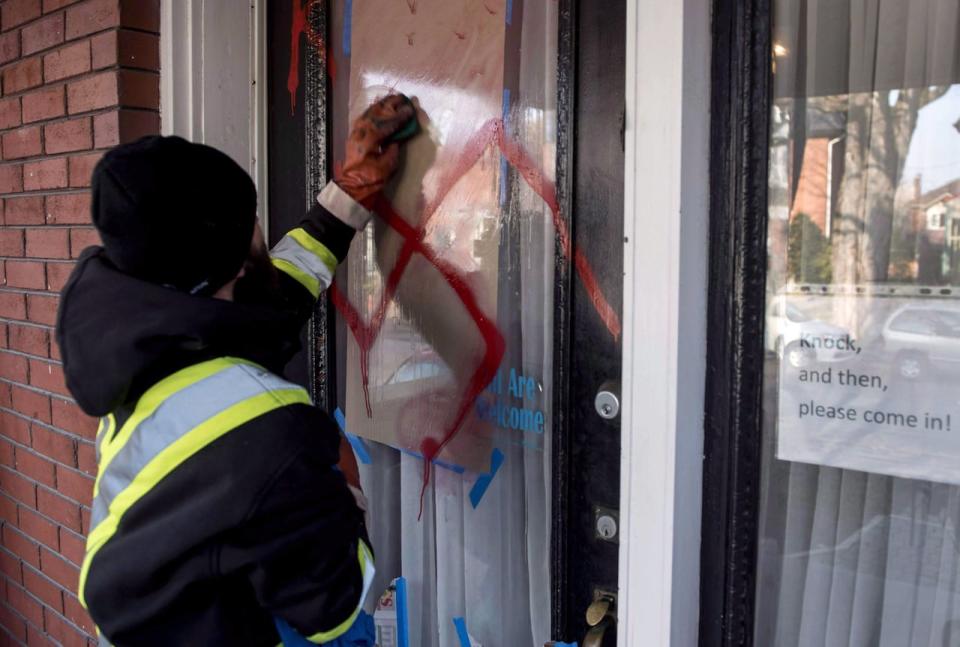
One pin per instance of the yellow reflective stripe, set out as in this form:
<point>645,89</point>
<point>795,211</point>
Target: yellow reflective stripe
<point>174,455</point>
<point>315,247</point>
<point>153,398</point>
<point>365,556</point>
<point>306,280</point>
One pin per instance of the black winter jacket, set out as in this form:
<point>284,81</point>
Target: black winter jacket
<point>254,525</point>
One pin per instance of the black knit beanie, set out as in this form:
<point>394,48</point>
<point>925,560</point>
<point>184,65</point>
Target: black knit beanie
<point>174,213</point>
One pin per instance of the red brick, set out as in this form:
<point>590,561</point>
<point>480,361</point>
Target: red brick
<point>25,604</point>
<point>48,243</point>
<point>7,459</point>
<point>30,403</point>
<point>54,346</point>
<point>47,103</point>
<point>36,638</point>
<point>75,485</point>
<point>58,569</point>
<point>43,587</point>
<point>68,208</point>
<point>66,136</point>
<point>111,128</point>
<point>85,520</point>
<point>3,333</point>
<point>13,367</point>
<point>15,626</point>
<point>24,210</point>
<point>11,178</point>
<point>11,243</point>
<point>42,34</point>
<point>26,274</point>
<point>140,14</point>
<point>52,5</point>
<point>19,544</point>
<point>13,305</point>
<point>81,169</point>
<point>8,507</point>
<point>92,16</point>
<point>42,309</point>
<point>64,634</point>
<point>39,527</point>
<point>17,12</point>
<point>100,91</point>
<point>15,428</point>
<point>22,142</point>
<point>46,174</point>
<point>10,565</point>
<point>67,61</point>
<point>103,50</point>
<point>77,614</point>
<point>6,398</point>
<point>57,276</point>
<point>54,445</point>
<point>59,509</point>
<point>139,50</point>
<point>81,238</point>
<point>139,89</point>
<point>35,468</point>
<point>48,377</point>
<point>72,546</point>
<point>9,46</point>
<point>23,75</point>
<point>9,113</point>
<point>32,340</point>
<point>87,459</point>
<point>69,417</point>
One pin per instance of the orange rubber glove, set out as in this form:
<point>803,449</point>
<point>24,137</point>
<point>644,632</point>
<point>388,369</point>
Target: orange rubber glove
<point>371,161</point>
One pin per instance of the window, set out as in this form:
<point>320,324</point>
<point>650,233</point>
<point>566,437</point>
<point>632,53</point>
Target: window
<point>860,484</point>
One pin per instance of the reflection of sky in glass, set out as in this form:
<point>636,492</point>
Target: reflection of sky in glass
<point>935,150</point>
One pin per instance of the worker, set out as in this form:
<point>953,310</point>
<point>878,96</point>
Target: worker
<point>227,508</point>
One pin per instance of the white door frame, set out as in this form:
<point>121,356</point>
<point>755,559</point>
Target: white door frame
<point>213,74</point>
<point>664,311</point>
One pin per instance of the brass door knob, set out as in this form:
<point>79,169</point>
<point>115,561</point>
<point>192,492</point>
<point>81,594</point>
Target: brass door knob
<point>594,637</point>
<point>597,611</point>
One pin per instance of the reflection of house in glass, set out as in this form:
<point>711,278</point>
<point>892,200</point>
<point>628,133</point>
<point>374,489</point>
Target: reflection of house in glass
<point>933,222</point>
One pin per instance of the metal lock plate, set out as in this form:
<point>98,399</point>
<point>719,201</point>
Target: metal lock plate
<point>607,404</point>
<point>607,524</point>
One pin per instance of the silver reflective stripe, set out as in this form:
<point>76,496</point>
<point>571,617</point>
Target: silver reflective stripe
<point>101,432</point>
<point>175,417</point>
<point>293,252</point>
<point>104,642</point>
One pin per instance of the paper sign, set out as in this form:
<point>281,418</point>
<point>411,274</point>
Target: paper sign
<point>869,383</point>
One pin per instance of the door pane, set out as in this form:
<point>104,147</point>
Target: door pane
<point>860,501</point>
<point>452,357</point>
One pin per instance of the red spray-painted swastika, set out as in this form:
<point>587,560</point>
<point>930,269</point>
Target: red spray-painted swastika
<point>492,133</point>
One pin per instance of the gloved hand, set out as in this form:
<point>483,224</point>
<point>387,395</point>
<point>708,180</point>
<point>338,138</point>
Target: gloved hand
<point>370,159</point>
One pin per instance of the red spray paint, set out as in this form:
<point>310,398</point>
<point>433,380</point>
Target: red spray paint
<point>299,26</point>
<point>366,335</point>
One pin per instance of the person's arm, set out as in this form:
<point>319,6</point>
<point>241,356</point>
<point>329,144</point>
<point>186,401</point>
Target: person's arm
<point>304,545</point>
<point>308,256</point>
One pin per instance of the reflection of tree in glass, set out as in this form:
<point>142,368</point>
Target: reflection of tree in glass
<point>879,127</point>
<point>808,252</point>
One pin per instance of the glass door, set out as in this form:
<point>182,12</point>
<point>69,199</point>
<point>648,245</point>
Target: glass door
<point>470,346</point>
<point>859,498</point>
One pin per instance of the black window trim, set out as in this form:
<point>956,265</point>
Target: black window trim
<point>741,94</point>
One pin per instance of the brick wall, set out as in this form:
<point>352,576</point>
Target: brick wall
<point>76,77</point>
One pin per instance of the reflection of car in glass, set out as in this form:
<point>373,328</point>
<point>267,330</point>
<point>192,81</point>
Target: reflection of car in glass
<point>923,337</point>
<point>419,367</point>
<point>799,339</point>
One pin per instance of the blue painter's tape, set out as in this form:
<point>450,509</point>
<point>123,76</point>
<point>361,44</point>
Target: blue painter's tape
<point>564,644</point>
<point>403,629</point>
<point>347,26</point>
<point>509,12</point>
<point>503,160</point>
<point>484,480</point>
<point>359,447</point>
<point>461,626</point>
